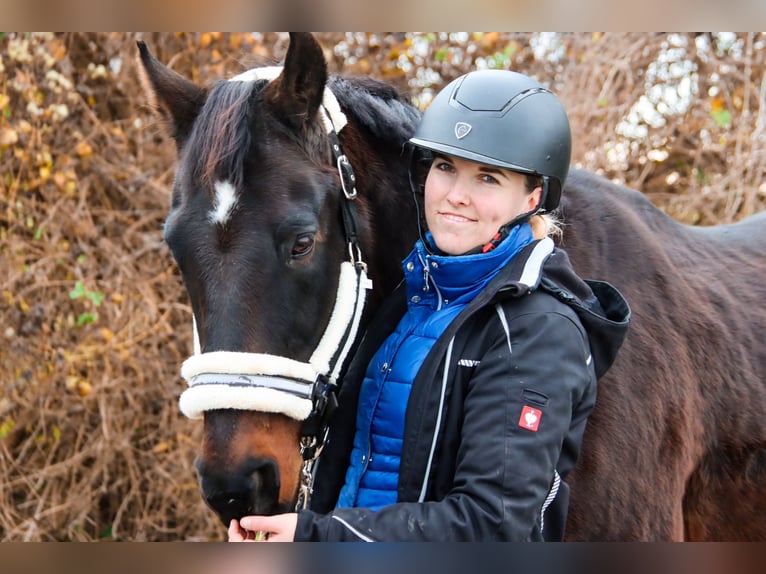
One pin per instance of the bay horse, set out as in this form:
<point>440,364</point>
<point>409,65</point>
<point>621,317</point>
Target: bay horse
<point>286,176</point>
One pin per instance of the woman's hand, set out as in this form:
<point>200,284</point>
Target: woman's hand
<point>278,528</point>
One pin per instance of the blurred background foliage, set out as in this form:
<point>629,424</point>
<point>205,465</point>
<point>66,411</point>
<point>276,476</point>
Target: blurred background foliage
<point>95,321</point>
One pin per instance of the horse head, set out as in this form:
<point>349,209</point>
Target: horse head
<point>270,237</point>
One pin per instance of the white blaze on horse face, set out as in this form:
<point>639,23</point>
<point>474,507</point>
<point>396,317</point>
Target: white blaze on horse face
<point>225,200</point>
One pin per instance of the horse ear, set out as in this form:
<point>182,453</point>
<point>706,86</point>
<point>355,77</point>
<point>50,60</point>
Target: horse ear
<point>295,96</point>
<point>176,99</point>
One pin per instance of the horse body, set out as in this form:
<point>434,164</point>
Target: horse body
<point>676,447</point>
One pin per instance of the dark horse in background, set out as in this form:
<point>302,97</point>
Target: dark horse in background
<point>676,446</point>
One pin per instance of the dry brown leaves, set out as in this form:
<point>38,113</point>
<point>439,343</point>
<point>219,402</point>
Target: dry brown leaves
<point>95,322</point>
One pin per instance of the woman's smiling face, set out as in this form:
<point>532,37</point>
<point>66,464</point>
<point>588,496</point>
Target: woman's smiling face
<point>467,202</point>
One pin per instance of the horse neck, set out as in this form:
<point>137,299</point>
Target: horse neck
<point>380,122</point>
<point>386,209</point>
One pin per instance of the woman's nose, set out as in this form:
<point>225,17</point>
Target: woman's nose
<point>458,193</point>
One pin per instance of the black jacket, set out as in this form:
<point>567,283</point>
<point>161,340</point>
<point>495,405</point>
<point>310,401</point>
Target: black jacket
<point>538,336</point>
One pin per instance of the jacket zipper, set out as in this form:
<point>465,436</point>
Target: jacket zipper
<point>428,282</point>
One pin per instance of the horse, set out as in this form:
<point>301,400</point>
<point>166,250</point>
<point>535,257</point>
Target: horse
<point>286,175</point>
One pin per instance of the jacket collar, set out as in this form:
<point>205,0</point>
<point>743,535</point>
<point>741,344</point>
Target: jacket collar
<point>525,271</point>
<point>461,276</point>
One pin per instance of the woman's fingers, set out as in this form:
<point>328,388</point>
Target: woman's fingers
<point>236,534</point>
<point>279,528</point>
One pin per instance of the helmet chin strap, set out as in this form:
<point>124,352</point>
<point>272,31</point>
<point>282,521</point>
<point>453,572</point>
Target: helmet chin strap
<point>416,189</point>
<point>505,230</point>
<point>502,232</point>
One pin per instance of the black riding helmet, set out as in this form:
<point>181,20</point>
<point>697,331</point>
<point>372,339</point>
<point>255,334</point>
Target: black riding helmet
<point>505,119</point>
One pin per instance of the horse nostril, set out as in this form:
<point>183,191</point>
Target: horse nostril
<point>265,485</point>
<point>228,506</point>
<point>252,489</point>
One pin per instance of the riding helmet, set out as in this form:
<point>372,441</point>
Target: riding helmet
<point>505,119</point>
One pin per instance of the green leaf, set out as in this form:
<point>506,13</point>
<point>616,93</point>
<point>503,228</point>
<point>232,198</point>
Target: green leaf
<point>6,427</point>
<point>86,319</point>
<point>95,296</point>
<point>722,118</point>
<point>78,291</point>
<point>701,176</point>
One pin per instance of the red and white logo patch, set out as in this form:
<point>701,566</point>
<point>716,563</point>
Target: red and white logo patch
<point>530,418</point>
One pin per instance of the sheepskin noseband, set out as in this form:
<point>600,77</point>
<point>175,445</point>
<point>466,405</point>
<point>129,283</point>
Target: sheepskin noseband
<point>269,383</point>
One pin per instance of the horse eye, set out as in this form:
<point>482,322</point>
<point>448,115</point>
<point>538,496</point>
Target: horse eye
<point>304,244</point>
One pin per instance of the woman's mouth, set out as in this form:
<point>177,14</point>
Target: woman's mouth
<point>456,217</point>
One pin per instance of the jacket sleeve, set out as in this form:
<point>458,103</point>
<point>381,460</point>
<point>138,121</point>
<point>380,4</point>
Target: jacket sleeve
<point>505,461</point>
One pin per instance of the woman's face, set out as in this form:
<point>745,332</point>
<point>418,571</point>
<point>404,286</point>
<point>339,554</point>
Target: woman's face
<point>467,202</point>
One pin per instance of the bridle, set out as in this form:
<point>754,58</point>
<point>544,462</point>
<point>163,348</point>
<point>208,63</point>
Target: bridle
<point>270,383</point>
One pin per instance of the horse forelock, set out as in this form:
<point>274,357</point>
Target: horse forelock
<point>226,132</point>
<point>222,135</point>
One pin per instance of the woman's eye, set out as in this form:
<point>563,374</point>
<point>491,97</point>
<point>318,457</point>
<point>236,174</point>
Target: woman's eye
<point>443,166</point>
<point>304,244</point>
<point>489,179</point>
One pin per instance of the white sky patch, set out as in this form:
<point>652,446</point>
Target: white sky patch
<point>225,201</point>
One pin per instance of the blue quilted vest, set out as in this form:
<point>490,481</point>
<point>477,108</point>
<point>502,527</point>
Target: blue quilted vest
<point>438,288</point>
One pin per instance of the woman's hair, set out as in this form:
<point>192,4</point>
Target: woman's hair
<point>543,224</point>
<point>532,182</point>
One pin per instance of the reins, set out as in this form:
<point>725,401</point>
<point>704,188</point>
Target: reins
<point>270,383</point>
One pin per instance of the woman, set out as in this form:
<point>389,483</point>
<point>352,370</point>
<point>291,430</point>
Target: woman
<point>466,401</point>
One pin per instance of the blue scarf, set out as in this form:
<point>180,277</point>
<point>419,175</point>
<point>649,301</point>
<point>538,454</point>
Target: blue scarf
<point>459,278</point>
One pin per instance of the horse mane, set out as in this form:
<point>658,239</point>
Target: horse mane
<point>222,135</point>
<point>378,107</point>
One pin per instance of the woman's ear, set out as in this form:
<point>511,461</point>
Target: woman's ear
<point>533,199</point>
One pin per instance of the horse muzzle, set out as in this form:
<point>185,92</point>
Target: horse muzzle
<point>251,488</point>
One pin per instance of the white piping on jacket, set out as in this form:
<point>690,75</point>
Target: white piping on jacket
<point>534,265</point>
<point>504,323</point>
<point>354,531</point>
<point>447,359</point>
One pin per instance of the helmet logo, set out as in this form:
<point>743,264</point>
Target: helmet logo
<point>462,129</point>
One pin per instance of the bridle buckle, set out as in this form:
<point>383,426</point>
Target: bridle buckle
<point>347,177</point>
